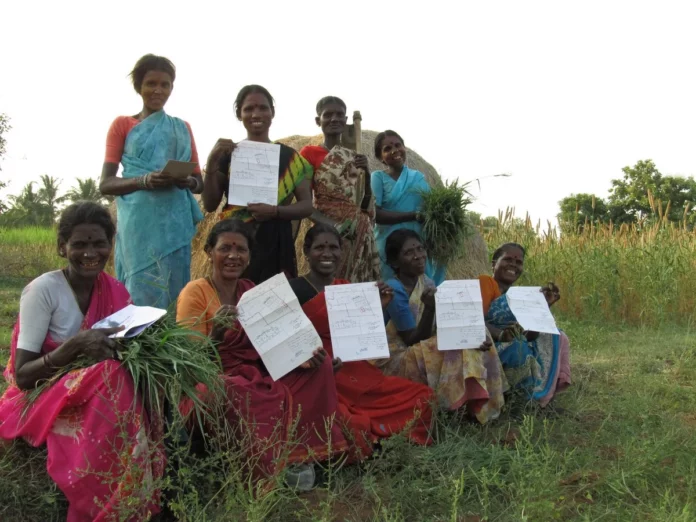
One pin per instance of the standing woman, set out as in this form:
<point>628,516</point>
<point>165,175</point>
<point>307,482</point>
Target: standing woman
<point>157,213</point>
<point>397,191</point>
<point>274,250</point>
<point>342,196</point>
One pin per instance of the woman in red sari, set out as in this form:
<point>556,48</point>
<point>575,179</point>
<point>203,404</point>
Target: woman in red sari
<point>99,452</point>
<point>288,421</point>
<point>374,405</point>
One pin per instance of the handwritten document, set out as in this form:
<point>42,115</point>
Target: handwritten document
<point>356,322</point>
<point>531,310</point>
<point>277,327</point>
<point>254,173</point>
<point>459,315</point>
<point>133,318</point>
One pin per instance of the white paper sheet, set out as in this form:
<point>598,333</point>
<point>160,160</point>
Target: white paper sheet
<point>356,322</point>
<point>277,327</point>
<point>254,173</point>
<point>531,310</point>
<point>459,315</point>
<point>134,318</point>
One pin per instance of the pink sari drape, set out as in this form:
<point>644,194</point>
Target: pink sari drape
<point>94,430</point>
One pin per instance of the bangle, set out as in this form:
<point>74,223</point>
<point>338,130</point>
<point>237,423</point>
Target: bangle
<point>142,180</point>
<point>147,182</point>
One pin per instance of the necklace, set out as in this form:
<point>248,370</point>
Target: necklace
<point>77,299</point>
<point>311,284</point>
<point>217,292</point>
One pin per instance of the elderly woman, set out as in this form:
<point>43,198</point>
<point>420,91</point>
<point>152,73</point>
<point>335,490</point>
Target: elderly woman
<point>95,431</point>
<point>398,196</point>
<point>298,406</point>
<point>537,363</point>
<point>157,214</point>
<point>374,405</point>
<point>471,378</point>
<point>342,194</point>
<point>275,245</point>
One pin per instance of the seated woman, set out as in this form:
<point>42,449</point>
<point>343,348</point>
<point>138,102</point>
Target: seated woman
<point>374,405</point>
<point>342,194</point>
<point>88,418</point>
<point>538,363</point>
<point>398,198</point>
<point>275,245</point>
<point>304,399</point>
<point>459,377</point>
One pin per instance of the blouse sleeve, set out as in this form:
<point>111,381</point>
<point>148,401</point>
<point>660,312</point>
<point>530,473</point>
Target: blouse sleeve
<point>191,308</point>
<point>399,310</point>
<point>377,187</point>
<point>116,140</point>
<point>35,312</point>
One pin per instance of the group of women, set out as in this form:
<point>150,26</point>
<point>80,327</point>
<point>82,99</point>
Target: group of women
<point>363,231</point>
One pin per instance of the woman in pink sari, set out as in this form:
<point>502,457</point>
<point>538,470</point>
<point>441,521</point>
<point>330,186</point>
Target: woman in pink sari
<point>288,421</point>
<point>99,453</point>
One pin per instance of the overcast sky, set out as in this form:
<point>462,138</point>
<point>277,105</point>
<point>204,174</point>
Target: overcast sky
<point>560,94</point>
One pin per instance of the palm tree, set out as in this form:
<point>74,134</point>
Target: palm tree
<point>29,208</point>
<point>48,195</point>
<point>85,190</point>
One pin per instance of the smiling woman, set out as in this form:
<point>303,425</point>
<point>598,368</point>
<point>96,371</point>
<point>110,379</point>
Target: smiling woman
<point>157,214</point>
<point>275,246</point>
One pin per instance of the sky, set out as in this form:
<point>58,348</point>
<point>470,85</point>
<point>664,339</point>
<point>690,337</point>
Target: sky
<point>560,94</point>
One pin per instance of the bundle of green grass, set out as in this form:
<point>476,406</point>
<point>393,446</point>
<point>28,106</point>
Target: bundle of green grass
<point>446,226</point>
<point>167,361</point>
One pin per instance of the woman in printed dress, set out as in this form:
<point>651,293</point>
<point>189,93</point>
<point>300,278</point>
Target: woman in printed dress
<point>157,213</point>
<point>275,245</point>
<point>342,194</point>
<point>95,430</point>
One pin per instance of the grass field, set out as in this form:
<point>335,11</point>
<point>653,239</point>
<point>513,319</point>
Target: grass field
<point>621,448</point>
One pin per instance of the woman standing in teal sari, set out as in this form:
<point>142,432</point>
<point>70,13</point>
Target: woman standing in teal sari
<point>398,199</point>
<point>157,213</point>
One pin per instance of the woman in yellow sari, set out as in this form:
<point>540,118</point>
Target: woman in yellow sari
<point>471,378</point>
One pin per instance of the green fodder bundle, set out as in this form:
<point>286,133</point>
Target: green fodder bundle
<point>446,226</point>
<point>167,362</point>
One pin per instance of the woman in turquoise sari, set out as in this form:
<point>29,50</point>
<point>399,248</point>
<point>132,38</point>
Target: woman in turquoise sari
<point>398,199</point>
<point>157,213</point>
<point>536,363</point>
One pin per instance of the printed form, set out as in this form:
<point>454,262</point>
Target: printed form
<point>254,173</point>
<point>277,327</point>
<point>531,310</point>
<point>459,315</point>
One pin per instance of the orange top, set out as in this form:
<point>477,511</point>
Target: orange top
<point>489,291</point>
<point>196,306</point>
<point>116,140</point>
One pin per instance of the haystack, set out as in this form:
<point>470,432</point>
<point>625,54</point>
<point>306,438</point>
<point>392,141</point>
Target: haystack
<point>475,261</point>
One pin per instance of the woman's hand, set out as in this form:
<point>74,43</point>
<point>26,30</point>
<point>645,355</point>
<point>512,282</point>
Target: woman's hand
<point>428,297</point>
<point>485,346</point>
<point>510,333</point>
<point>361,162</point>
<point>189,182</point>
<point>262,212</point>
<point>222,150</point>
<point>159,180</point>
<point>96,344</point>
<point>225,316</point>
<point>386,294</point>
<point>551,293</point>
<point>337,365</point>
<point>316,361</point>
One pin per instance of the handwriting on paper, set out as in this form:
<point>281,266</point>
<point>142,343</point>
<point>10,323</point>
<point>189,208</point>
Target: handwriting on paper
<point>254,173</point>
<point>134,320</point>
<point>459,315</point>
<point>531,310</point>
<point>356,322</point>
<point>277,327</point>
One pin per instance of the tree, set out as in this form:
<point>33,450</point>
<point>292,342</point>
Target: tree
<point>85,190</point>
<point>4,129</point>
<point>578,209</point>
<point>28,208</point>
<point>48,195</point>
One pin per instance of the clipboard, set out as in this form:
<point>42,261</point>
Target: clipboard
<point>180,169</point>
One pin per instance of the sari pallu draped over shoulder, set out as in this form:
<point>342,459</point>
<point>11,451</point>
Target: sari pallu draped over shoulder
<point>93,426</point>
<point>339,189</point>
<point>281,422</point>
<point>155,227</point>
<point>541,367</point>
<point>372,405</point>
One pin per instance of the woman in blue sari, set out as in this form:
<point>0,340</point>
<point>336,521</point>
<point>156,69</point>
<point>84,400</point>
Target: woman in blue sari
<point>537,363</point>
<point>157,213</point>
<point>398,199</point>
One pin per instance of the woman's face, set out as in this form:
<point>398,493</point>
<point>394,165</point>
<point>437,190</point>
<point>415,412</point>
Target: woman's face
<point>155,90</point>
<point>87,250</point>
<point>509,267</point>
<point>393,152</point>
<point>230,255</point>
<point>412,258</point>
<point>332,119</point>
<point>324,255</point>
<point>257,115</point>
